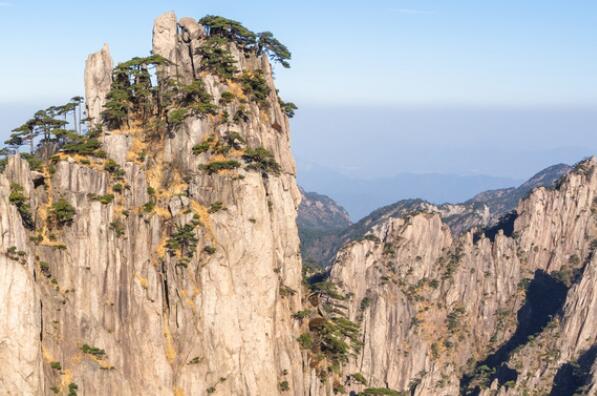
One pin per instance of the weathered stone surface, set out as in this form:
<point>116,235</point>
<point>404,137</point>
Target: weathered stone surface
<point>98,79</point>
<point>164,40</point>
<point>183,281</point>
<point>215,322</point>
<point>436,304</point>
<point>192,28</point>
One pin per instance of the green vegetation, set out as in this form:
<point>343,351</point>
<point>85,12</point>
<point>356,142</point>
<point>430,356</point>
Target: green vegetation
<point>56,365</point>
<point>18,198</point>
<point>227,97</point>
<point>217,166</point>
<point>131,93</point>
<point>216,58</point>
<point>286,291</point>
<point>148,207</point>
<point>245,39</point>
<point>288,108</point>
<point>261,159</point>
<point>134,99</point>
<point>284,387</point>
<point>201,148</point>
<point>177,116</point>
<point>331,337</point>
<point>365,303</point>
<point>209,250</point>
<point>195,99</point>
<point>46,132</point>
<point>305,340</point>
<point>195,360</point>
<point>118,227</point>
<point>215,207</point>
<point>72,389</point>
<point>255,87</point>
<point>230,29</point>
<point>63,212</point>
<point>381,391</point>
<point>183,240</point>
<point>45,268</point>
<point>113,167</point>
<point>300,315</point>
<point>105,199</point>
<point>278,52</point>
<point>453,318</point>
<point>360,378</point>
<point>34,162</point>
<point>90,350</point>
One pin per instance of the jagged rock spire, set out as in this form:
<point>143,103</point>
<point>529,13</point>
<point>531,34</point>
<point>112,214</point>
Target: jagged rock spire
<point>164,40</point>
<point>98,79</point>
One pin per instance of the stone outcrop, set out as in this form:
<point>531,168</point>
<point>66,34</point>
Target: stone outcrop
<point>98,79</point>
<point>111,302</point>
<point>483,210</point>
<point>496,313</point>
<point>168,263</point>
<point>321,221</point>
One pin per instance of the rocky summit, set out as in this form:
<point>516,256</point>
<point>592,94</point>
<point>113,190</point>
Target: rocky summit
<point>152,248</point>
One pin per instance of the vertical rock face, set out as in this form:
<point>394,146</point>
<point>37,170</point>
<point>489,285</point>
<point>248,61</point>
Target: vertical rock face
<point>98,79</point>
<point>172,267</point>
<point>165,40</point>
<point>500,314</point>
<point>182,280</point>
<point>20,327</point>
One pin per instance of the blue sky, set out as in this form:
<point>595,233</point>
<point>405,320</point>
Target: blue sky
<point>345,52</point>
<point>384,87</point>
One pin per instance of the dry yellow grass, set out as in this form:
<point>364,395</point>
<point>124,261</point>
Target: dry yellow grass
<point>236,90</point>
<point>203,214</point>
<point>170,350</point>
<point>178,392</point>
<point>143,281</point>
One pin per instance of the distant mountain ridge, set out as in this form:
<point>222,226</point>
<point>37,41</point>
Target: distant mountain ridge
<point>483,210</point>
<point>320,221</point>
<point>362,196</point>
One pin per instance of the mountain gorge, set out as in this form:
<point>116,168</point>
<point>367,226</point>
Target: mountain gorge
<point>483,210</point>
<point>154,249</point>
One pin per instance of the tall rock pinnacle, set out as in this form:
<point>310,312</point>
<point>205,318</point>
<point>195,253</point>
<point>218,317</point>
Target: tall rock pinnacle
<point>98,79</point>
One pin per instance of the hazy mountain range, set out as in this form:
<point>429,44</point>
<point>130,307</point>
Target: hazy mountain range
<point>362,196</point>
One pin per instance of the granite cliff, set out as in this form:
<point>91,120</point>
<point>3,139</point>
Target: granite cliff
<point>153,249</point>
<point>166,261</point>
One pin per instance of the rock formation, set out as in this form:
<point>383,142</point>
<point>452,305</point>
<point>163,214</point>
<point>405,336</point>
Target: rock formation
<point>164,260</point>
<point>496,313</point>
<point>171,276</point>
<point>98,79</point>
<point>483,210</point>
<point>320,222</point>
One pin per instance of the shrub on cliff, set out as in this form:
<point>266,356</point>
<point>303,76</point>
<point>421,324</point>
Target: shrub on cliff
<point>230,29</point>
<point>260,43</point>
<point>288,108</point>
<point>217,166</point>
<point>216,58</point>
<point>17,198</point>
<point>63,212</point>
<point>255,87</point>
<point>261,159</point>
<point>276,51</point>
<point>183,240</point>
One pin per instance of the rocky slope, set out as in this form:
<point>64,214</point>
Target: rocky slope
<point>179,267</point>
<point>320,221</point>
<point>509,312</point>
<point>483,210</point>
<point>158,254</point>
